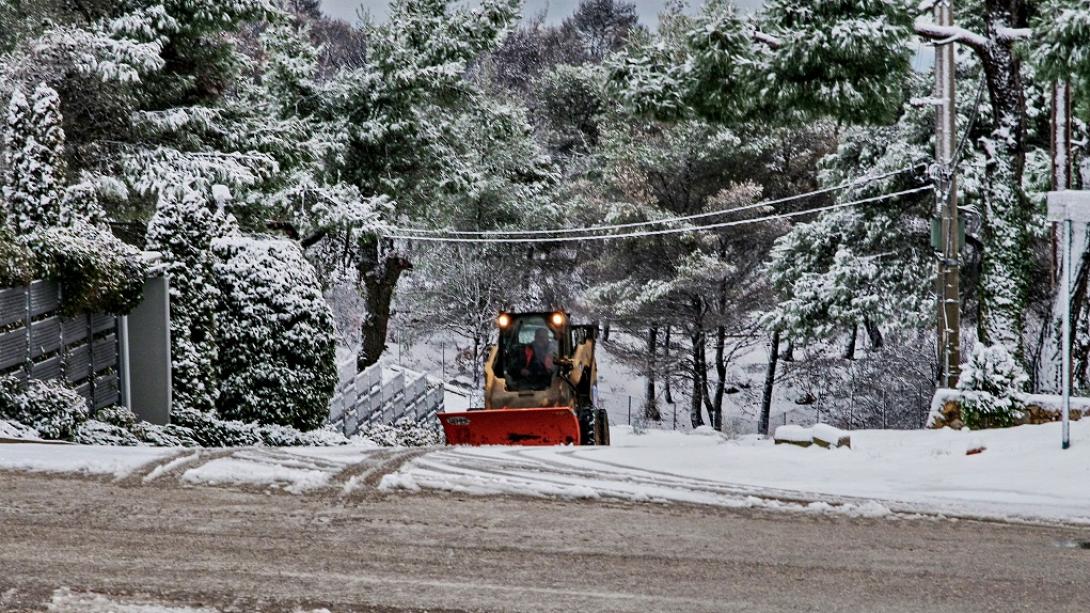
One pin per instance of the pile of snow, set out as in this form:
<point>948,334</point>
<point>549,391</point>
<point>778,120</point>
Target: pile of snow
<point>81,459</point>
<point>15,430</point>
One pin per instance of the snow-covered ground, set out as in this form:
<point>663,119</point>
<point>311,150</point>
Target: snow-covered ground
<point>1021,473</point>
<point>1018,473</point>
<point>83,459</point>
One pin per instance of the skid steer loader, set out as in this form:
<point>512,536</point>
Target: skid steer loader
<point>540,387</point>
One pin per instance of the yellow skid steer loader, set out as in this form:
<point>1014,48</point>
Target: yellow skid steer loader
<point>540,387</point>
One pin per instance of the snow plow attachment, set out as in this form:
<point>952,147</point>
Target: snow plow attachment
<point>547,426</point>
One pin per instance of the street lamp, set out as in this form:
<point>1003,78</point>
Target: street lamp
<point>1067,207</point>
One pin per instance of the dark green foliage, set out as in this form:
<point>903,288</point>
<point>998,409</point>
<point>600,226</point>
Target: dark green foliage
<point>841,58</point>
<point>16,261</point>
<point>277,363</point>
<point>97,273</point>
<point>721,80</point>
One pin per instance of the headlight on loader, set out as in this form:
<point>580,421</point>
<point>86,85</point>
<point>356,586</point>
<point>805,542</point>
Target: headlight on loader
<point>557,319</point>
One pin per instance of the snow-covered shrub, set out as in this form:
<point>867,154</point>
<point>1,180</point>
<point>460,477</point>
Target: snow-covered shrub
<point>163,436</point>
<point>405,432</point>
<point>992,385</point>
<point>97,272</point>
<point>95,432</point>
<point>182,231</point>
<point>277,363</point>
<point>208,430</point>
<point>118,415</point>
<point>52,409</point>
<point>16,261</point>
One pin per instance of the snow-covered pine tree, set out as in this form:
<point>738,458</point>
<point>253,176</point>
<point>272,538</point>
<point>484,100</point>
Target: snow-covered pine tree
<point>277,360</point>
<point>401,103</point>
<point>864,266</point>
<point>992,385</point>
<point>15,190</point>
<point>847,59</point>
<point>182,231</point>
<point>35,166</point>
<point>850,61</point>
<point>47,152</point>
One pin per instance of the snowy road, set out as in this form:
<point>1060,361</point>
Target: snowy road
<point>101,543</point>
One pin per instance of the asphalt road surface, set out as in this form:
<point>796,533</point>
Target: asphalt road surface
<point>231,549</point>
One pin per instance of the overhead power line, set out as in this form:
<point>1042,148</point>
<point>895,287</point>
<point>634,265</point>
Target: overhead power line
<point>667,220</point>
<point>665,231</point>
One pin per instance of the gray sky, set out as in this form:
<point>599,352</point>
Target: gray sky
<point>555,10</point>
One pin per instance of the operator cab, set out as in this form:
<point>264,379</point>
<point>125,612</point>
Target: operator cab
<point>532,348</point>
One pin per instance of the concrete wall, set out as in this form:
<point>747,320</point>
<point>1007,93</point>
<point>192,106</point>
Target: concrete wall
<point>146,354</point>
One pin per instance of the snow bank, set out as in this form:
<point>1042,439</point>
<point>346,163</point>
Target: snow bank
<point>80,459</point>
<point>17,431</point>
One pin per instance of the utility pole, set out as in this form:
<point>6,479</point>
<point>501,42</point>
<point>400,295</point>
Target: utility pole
<point>947,282</point>
<point>1061,182</point>
<point>1061,156</point>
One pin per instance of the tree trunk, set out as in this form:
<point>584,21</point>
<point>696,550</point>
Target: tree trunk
<point>1006,221</point>
<point>667,394</point>
<point>379,270</point>
<point>874,333</point>
<point>849,350</point>
<point>650,403</point>
<point>770,378</point>
<point>716,411</point>
<point>477,362</point>
<point>698,367</point>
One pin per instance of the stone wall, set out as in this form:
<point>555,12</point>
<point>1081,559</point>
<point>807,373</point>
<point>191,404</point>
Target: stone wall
<point>1039,409</point>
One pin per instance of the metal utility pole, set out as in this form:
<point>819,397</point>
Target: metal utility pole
<point>1065,207</point>
<point>948,279</point>
<point>1061,156</point>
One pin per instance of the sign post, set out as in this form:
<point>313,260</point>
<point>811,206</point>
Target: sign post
<point>1066,208</point>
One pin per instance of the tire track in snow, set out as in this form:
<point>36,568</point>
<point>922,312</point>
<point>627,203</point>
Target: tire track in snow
<point>173,466</point>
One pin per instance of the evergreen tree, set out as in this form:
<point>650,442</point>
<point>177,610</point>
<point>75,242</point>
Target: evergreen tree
<point>16,188</point>
<point>34,160</point>
<point>276,360</point>
<point>182,232</point>
<point>46,150</point>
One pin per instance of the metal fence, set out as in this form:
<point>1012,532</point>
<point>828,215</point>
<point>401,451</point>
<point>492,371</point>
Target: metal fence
<point>382,396</point>
<point>36,342</point>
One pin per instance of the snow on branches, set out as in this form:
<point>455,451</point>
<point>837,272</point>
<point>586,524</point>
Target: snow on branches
<point>34,160</point>
<point>993,385</point>
<point>277,365</point>
<point>182,231</point>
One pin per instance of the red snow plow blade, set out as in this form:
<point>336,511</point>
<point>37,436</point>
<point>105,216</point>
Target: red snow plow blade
<point>550,426</point>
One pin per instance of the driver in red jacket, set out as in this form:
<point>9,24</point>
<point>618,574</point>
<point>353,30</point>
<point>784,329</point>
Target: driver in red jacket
<point>538,355</point>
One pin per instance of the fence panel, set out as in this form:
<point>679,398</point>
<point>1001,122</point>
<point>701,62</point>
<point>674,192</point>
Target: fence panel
<point>12,305</point>
<point>367,398</point>
<point>81,350</point>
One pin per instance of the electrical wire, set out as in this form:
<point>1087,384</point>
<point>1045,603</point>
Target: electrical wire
<point>660,232</point>
<point>667,220</point>
<point>972,120</point>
